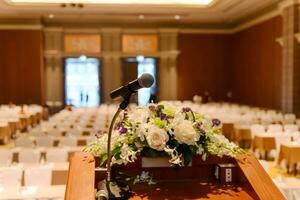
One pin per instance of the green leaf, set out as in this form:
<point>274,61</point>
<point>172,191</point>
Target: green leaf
<point>103,159</point>
<point>160,123</point>
<point>169,112</point>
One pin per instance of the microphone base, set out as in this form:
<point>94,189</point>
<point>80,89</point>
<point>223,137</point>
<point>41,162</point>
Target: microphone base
<point>113,191</point>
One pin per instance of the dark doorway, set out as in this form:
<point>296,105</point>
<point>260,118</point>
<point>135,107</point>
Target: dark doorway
<point>133,68</point>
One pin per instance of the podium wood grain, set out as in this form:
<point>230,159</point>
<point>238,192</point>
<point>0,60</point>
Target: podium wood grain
<point>81,178</point>
<point>256,175</point>
<point>254,183</point>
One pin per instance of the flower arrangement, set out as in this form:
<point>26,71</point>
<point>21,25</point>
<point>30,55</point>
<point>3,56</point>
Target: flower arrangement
<point>164,130</point>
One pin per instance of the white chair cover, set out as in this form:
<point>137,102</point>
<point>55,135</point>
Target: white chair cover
<point>257,129</point>
<point>68,142</point>
<point>290,128</point>
<point>5,157</point>
<point>75,132</point>
<point>275,128</point>
<point>11,176</point>
<point>24,141</point>
<point>29,156</point>
<point>55,132</point>
<point>35,133</point>
<point>40,175</point>
<point>57,155</point>
<point>289,118</point>
<point>44,141</point>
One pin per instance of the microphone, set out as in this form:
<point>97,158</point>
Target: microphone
<point>144,81</point>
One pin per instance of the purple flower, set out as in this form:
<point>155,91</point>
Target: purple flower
<point>199,126</point>
<point>186,109</point>
<point>98,133</point>
<point>163,116</point>
<point>119,124</point>
<point>123,130</point>
<point>216,122</point>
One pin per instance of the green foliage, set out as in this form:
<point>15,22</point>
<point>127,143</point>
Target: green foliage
<point>169,112</point>
<point>160,123</point>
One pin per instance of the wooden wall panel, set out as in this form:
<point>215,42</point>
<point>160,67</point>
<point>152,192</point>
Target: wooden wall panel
<point>247,63</point>
<point>21,66</point>
<point>255,78</point>
<point>203,65</point>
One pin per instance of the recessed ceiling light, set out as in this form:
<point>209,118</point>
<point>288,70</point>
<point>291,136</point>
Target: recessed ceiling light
<point>141,16</point>
<point>51,16</point>
<point>155,2</point>
<point>177,17</point>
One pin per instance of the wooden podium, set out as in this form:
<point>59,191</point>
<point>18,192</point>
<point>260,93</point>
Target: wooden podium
<point>195,182</point>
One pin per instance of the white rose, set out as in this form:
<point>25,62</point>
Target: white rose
<point>185,133</point>
<point>157,138</point>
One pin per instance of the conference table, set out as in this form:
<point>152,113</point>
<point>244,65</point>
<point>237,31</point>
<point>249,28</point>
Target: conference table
<point>4,134</point>
<point>264,143</point>
<point>56,192</point>
<point>243,136</point>
<point>290,152</point>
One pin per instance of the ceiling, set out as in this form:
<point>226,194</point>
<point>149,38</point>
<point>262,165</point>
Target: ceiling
<point>218,13</point>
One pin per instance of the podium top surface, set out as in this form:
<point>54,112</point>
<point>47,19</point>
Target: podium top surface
<point>188,190</point>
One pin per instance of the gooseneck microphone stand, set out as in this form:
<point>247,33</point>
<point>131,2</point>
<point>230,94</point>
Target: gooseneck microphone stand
<point>113,190</point>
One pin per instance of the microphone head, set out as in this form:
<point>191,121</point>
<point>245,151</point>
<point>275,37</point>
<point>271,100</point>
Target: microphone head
<point>146,80</point>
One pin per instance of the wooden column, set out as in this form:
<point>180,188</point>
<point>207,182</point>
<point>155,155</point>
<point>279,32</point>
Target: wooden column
<point>168,64</point>
<point>53,64</point>
<point>291,57</point>
<point>111,62</point>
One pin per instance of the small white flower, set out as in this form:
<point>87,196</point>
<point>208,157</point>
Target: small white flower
<point>127,154</point>
<point>141,131</point>
<point>139,115</point>
<point>175,158</point>
<point>200,150</point>
<point>157,138</point>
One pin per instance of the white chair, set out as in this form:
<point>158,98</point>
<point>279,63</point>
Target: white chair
<point>24,141</point>
<point>29,156</point>
<point>68,142</point>
<point>298,122</point>
<point>281,139</point>
<point>11,176</point>
<point>257,129</point>
<point>75,132</point>
<point>289,118</point>
<point>57,155</point>
<point>289,128</point>
<point>55,132</point>
<point>44,141</point>
<point>90,139</point>
<point>274,128</point>
<point>40,175</point>
<point>35,133</point>
<point>5,157</point>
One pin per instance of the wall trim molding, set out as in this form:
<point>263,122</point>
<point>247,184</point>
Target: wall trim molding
<point>257,20</point>
<point>238,28</point>
<point>241,27</point>
<point>21,27</point>
<point>287,3</point>
<point>206,31</point>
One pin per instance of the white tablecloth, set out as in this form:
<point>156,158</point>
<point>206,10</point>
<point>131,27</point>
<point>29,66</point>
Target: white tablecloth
<point>46,192</point>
